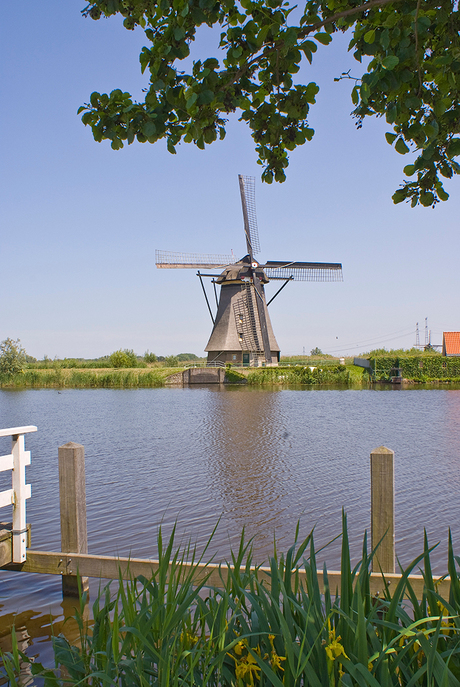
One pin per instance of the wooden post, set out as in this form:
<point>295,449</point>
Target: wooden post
<point>22,491</point>
<point>383,509</point>
<point>72,497</point>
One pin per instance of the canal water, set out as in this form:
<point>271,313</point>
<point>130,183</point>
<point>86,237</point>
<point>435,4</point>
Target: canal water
<point>259,459</point>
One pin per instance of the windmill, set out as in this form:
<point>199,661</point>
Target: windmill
<point>242,332</point>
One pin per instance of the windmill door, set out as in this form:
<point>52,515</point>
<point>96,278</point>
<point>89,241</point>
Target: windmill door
<point>245,359</point>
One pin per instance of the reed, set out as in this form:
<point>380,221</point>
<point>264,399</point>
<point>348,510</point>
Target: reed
<point>87,378</point>
<point>167,631</point>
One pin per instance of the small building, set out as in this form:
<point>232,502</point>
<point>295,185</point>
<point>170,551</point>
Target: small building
<point>451,344</point>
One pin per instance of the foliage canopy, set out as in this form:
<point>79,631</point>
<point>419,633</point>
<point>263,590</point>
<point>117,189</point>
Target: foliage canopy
<point>12,357</point>
<point>123,358</point>
<point>411,48</point>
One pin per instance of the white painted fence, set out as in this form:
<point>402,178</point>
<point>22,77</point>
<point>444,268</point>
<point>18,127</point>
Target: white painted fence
<point>17,461</point>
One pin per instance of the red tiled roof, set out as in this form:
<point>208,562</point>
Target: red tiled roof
<point>451,343</point>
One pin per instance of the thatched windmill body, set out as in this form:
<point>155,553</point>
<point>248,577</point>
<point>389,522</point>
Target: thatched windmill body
<point>242,332</point>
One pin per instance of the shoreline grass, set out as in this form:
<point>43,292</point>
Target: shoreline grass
<point>71,378</point>
<point>345,376</point>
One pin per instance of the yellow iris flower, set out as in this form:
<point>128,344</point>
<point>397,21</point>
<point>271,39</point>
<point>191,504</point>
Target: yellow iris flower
<point>334,649</point>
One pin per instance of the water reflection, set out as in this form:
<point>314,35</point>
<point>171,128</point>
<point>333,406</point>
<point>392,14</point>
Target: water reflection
<point>246,447</point>
<point>34,631</point>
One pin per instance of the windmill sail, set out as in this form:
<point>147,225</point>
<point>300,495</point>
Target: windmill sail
<point>248,201</point>
<point>304,271</point>
<point>168,260</point>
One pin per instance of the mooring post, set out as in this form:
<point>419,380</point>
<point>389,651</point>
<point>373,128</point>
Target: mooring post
<point>383,509</point>
<point>72,498</point>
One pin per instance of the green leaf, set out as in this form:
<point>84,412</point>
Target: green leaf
<point>401,147</point>
<point>311,92</point>
<point>446,171</point>
<point>390,138</point>
<point>355,95</point>
<point>399,196</point>
<point>426,199</point>
<point>385,39</point>
<point>87,118</point>
<point>211,63</point>
<point>170,147</point>
<point>206,97</point>
<point>364,92</point>
<point>191,101</point>
<point>409,170</point>
<point>369,37</point>
<point>323,38</point>
<point>179,33</point>
<point>390,62</point>
<point>391,114</point>
<point>442,194</point>
<point>431,129</point>
<point>149,129</point>
<point>453,149</point>
<point>308,45</point>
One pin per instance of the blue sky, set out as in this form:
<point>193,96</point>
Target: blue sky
<point>80,222</point>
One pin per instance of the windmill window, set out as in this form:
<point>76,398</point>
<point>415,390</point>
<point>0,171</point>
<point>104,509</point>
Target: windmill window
<point>240,318</point>
<point>234,357</point>
<point>240,337</point>
<point>444,365</point>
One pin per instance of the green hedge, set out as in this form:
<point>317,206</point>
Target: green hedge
<point>337,374</point>
<point>418,368</point>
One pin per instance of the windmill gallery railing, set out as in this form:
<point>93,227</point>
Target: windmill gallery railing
<point>73,559</point>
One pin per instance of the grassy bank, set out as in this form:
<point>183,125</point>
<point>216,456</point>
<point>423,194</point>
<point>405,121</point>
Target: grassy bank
<point>151,377</point>
<point>167,631</point>
<point>88,379</point>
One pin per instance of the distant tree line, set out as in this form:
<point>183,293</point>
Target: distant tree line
<point>14,359</point>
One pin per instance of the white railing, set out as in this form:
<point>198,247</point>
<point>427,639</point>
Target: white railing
<point>17,461</point>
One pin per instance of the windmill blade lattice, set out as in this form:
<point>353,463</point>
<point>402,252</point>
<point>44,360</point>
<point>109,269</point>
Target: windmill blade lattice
<point>304,271</point>
<point>168,260</point>
<point>248,201</point>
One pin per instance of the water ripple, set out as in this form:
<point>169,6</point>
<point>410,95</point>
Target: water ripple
<point>257,459</point>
